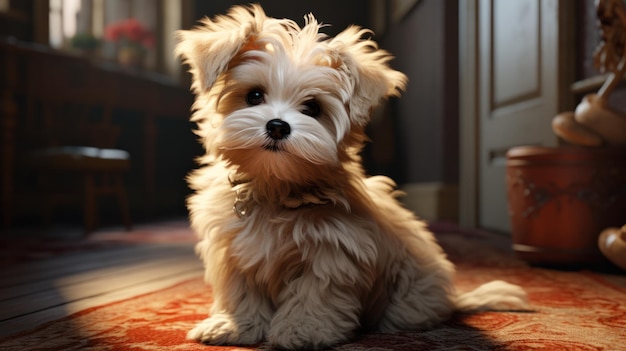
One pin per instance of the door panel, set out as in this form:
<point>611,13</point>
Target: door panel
<point>515,51</point>
<point>518,92</point>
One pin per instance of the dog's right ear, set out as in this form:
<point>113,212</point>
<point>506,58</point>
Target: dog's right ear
<point>209,48</point>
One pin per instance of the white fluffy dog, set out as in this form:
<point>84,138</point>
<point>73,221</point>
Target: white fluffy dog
<point>301,248</point>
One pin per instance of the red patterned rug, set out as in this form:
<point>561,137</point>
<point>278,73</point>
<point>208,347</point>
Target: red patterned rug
<point>578,310</point>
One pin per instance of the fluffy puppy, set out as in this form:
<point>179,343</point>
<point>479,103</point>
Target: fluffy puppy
<point>300,247</point>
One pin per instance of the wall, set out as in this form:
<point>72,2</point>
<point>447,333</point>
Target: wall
<point>425,43</point>
<point>426,131</point>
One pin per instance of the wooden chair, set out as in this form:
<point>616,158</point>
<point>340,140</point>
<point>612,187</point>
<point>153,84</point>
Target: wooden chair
<point>81,172</point>
<point>70,148</point>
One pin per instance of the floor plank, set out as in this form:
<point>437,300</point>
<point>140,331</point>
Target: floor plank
<point>63,290</point>
<point>27,322</point>
<point>58,266</point>
<point>118,262</point>
<point>32,293</point>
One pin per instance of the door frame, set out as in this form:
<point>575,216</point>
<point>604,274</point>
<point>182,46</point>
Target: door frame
<point>468,113</point>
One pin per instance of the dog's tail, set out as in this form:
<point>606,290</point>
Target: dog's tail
<point>495,295</point>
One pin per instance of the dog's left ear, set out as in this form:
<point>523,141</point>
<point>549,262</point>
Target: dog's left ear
<point>368,71</point>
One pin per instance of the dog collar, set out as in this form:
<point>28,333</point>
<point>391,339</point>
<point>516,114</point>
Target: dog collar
<point>242,198</point>
<point>240,207</point>
<point>241,210</point>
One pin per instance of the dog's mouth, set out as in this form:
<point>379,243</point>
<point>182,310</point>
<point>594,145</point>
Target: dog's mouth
<point>273,146</point>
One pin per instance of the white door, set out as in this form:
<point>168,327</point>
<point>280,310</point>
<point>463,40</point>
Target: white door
<point>518,51</point>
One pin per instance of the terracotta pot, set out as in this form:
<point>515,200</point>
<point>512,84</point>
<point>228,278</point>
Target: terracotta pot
<point>560,199</point>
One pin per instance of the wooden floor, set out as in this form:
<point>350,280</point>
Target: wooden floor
<point>39,291</point>
<point>42,290</point>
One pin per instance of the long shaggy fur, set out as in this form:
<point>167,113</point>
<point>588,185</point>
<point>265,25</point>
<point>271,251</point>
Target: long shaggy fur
<point>301,248</point>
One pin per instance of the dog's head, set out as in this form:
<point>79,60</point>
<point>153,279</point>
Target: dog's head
<point>279,100</point>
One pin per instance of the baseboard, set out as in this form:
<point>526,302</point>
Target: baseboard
<point>433,201</point>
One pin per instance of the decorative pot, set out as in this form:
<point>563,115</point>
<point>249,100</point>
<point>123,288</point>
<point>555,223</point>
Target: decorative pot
<point>130,57</point>
<point>560,200</point>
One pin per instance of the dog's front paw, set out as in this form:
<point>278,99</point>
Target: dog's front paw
<point>305,333</point>
<point>223,329</point>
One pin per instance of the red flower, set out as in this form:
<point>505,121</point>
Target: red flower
<point>112,33</point>
<point>130,31</point>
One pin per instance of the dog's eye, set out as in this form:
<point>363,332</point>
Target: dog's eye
<point>255,97</point>
<point>311,108</point>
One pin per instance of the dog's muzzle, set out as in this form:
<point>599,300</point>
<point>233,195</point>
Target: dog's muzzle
<point>277,129</point>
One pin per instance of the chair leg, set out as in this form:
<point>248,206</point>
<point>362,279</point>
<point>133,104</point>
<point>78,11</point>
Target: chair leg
<point>90,210</point>
<point>46,199</point>
<point>122,199</point>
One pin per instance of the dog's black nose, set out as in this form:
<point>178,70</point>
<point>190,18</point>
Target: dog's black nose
<point>277,129</point>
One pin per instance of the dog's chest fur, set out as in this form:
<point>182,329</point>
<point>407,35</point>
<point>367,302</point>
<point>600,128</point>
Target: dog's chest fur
<point>311,238</point>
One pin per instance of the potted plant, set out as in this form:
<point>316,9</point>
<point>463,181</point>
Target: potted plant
<point>132,40</point>
<point>86,43</point>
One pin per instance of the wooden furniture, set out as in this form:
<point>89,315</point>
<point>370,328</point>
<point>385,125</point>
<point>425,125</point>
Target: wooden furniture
<point>37,82</point>
<point>72,156</point>
<point>80,174</point>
